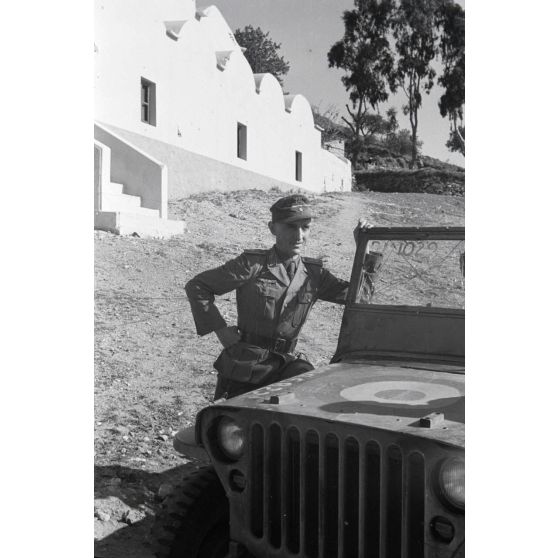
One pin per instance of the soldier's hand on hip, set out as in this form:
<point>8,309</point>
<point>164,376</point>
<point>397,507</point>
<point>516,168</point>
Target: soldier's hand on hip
<point>362,224</point>
<point>228,336</point>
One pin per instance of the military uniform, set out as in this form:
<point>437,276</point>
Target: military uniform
<point>273,298</point>
<point>271,312</point>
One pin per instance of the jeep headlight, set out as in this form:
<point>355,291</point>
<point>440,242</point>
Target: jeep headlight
<point>452,482</point>
<point>230,438</point>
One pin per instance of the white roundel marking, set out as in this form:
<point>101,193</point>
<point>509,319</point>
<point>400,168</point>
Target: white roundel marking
<point>400,392</point>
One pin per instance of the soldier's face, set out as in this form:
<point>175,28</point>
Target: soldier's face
<point>290,237</point>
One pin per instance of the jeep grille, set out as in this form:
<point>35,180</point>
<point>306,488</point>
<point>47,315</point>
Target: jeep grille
<point>320,494</point>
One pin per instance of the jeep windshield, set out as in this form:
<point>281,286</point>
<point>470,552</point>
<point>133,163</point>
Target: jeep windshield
<point>407,296</point>
<point>413,272</point>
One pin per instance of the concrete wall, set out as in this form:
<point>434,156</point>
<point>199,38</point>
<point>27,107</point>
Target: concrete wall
<point>101,173</point>
<point>140,174</point>
<point>190,172</point>
<point>334,173</point>
<point>204,88</point>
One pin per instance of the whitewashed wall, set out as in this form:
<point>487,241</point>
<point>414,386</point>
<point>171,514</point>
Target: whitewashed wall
<point>198,104</point>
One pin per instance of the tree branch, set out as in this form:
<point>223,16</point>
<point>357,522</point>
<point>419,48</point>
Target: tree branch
<point>348,124</point>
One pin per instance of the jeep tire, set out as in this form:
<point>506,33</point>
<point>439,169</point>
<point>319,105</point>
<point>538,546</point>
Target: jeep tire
<point>194,520</point>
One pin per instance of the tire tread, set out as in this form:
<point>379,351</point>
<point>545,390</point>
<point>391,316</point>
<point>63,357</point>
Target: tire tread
<point>199,503</point>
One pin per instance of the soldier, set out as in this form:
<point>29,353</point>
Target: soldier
<point>275,290</point>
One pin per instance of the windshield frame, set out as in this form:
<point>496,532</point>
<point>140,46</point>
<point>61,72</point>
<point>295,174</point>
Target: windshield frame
<point>396,234</point>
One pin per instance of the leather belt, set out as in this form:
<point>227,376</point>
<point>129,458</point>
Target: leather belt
<point>271,343</point>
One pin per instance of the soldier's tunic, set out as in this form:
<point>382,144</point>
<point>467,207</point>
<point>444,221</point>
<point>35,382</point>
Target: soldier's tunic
<point>271,312</point>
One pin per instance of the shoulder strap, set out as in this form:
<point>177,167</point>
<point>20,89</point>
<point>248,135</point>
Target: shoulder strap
<point>257,251</point>
<point>313,261</point>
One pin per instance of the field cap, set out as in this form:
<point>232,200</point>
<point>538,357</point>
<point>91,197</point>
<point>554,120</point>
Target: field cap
<point>291,209</point>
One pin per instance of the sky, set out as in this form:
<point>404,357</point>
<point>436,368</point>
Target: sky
<point>306,30</point>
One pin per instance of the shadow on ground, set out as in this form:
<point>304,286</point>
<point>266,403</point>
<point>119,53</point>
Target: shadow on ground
<point>126,501</point>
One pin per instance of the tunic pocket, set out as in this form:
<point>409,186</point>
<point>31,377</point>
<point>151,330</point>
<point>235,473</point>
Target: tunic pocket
<point>268,295</point>
<point>240,361</point>
<point>303,304</point>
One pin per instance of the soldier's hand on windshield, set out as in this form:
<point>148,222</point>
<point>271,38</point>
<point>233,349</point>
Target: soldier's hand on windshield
<point>324,258</point>
<point>228,336</point>
<point>364,225</point>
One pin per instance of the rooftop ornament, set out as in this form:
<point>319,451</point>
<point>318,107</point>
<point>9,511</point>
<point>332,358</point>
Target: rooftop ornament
<point>202,13</point>
<point>173,28</point>
<point>289,99</point>
<point>223,57</point>
<point>258,78</point>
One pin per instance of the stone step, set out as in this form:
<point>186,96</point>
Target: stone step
<point>113,188</point>
<point>143,211</point>
<point>144,225</point>
<point>120,202</point>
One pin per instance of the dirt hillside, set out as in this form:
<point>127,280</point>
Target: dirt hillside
<point>153,373</point>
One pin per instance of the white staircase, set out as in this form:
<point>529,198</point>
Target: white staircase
<point>123,213</point>
<point>130,223</point>
<point>115,200</point>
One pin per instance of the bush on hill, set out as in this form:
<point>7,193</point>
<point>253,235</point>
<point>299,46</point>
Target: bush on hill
<point>426,180</point>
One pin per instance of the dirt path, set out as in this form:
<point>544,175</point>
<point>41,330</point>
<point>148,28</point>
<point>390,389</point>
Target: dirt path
<point>153,373</point>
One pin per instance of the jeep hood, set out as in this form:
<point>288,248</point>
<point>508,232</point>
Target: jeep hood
<point>391,396</point>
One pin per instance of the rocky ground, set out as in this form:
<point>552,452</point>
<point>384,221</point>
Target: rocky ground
<point>153,373</point>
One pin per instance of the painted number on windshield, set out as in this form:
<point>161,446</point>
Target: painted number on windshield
<point>405,247</point>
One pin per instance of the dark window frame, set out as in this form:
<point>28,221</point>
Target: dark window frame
<point>298,166</point>
<point>148,102</point>
<point>242,141</point>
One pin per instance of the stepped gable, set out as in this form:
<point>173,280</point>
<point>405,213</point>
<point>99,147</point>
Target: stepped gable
<point>230,58</point>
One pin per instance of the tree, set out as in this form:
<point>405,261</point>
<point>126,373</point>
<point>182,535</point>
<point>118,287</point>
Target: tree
<point>396,140</point>
<point>451,21</point>
<point>401,142</point>
<point>365,55</point>
<point>456,140</point>
<point>415,32</point>
<point>393,124</point>
<point>328,120</point>
<point>374,125</point>
<point>375,128</point>
<point>261,52</point>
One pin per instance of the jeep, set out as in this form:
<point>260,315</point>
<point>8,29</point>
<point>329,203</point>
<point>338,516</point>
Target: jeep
<point>361,458</point>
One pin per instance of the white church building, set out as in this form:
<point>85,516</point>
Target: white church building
<point>178,110</point>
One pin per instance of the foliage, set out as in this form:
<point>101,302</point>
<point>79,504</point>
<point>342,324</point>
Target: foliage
<point>428,180</point>
<point>261,52</point>
<point>379,131</point>
<point>382,132</point>
<point>390,45</point>
<point>365,55</point>
<point>456,141</point>
<point>401,142</point>
<point>373,66</point>
<point>392,138</point>
<point>451,21</point>
<point>414,30</point>
<point>329,121</point>
<point>393,124</point>
<point>376,124</point>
